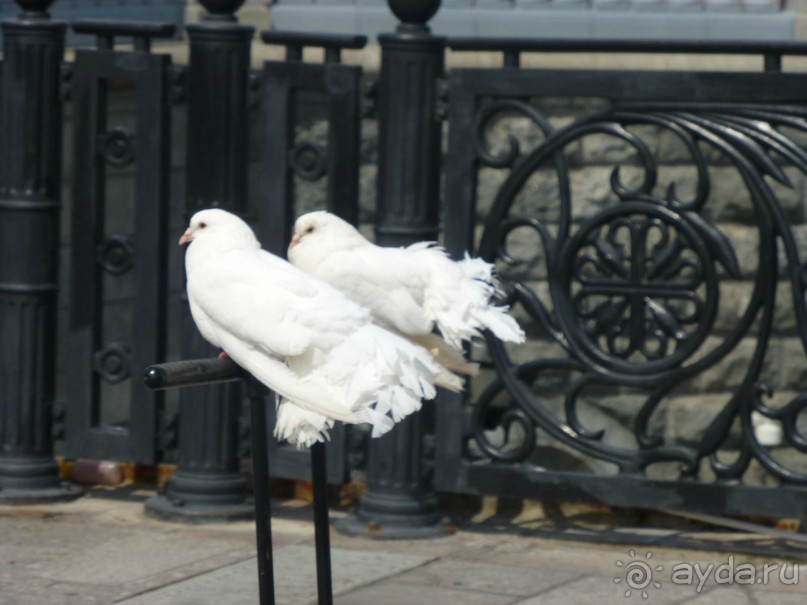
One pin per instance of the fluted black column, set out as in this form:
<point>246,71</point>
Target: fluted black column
<point>30,160</point>
<point>208,484</point>
<point>400,496</point>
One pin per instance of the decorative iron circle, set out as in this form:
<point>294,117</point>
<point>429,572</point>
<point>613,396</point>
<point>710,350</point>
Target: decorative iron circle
<point>640,293</point>
<point>113,363</point>
<point>118,147</point>
<point>116,255</point>
<point>308,161</point>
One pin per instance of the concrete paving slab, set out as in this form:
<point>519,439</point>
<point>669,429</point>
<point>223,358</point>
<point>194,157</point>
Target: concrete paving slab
<point>602,590</point>
<point>22,589</point>
<point>104,551</point>
<point>295,578</point>
<point>498,579</point>
<point>763,598</point>
<point>721,596</point>
<point>394,593</point>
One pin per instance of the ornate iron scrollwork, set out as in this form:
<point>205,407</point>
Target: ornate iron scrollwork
<point>634,287</point>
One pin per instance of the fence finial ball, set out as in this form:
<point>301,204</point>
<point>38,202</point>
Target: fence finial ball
<point>222,7</point>
<point>34,7</point>
<point>416,12</point>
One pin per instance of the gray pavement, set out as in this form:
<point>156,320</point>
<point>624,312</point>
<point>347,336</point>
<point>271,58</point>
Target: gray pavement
<point>105,550</point>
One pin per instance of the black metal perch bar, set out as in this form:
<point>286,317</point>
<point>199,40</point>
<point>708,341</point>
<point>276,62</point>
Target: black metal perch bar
<point>197,372</point>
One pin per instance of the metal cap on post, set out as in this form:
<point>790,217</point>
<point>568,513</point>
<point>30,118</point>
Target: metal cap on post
<point>208,485</point>
<point>30,174</point>
<point>400,501</point>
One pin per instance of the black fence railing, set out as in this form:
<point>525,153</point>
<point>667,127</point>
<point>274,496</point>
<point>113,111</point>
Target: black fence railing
<point>620,247</point>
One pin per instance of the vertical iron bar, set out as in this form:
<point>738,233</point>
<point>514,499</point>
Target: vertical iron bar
<point>30,172</point>
<point>278,121</point>
<point>400,495</point>
<point>333,54</point>
<point>773,62</point>
<point>344,140</point>
<point>208,484</point>
<point>322,536</point>
<point>263,510</point>
<point>294,52</point>
<point>512,58</point>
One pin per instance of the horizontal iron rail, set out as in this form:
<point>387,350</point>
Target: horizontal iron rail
<point>296,41</point>
<point>106,30</point>
<point>629,491</point>
<point>730,47</point>
<point>312,39</point>
<point>192,372</point>
<point>124,28</point>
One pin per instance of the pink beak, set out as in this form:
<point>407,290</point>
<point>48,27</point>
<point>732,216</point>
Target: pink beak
<point>295,240</point>
<point>186,237</point>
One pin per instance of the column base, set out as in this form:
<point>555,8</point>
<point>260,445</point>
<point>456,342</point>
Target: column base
<point>393,517</point>
<point>34,481</point>
<point>62,492</point>
<point>355,525</point>
<point>198,498</point>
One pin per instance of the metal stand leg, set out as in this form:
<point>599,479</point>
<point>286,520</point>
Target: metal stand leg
<point>322,536</point>
<point>263,514</point>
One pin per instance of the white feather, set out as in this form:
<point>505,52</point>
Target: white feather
<point>411,290</point>
<point>314,347</point>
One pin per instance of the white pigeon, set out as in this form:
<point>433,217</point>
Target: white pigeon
<point>410,290</point>
<point>316,349</point>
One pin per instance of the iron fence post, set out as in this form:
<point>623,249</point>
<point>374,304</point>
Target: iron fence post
<point>400,496</point>
<point>208,484</point>
<point>30,170</point>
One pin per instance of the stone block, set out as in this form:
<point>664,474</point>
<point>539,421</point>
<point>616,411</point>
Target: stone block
<point>612,150</point>
<point>455,21</point>
<point>647,25</point>
<point>560,23</point>
<point>371,21</point>
<point>727,26</point>
<point>326,19</point>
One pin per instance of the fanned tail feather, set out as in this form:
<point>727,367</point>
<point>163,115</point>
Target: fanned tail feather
<point>460,300</point>
<point>300,427</point>
<point>503,326</point>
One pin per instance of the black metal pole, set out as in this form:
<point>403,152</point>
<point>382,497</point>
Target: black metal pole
<point>199,372</point>
<point>208,484</point>
<point>263,511</point>
<point>400,500</point>
<point>322,536</point>
<point>30,171</point>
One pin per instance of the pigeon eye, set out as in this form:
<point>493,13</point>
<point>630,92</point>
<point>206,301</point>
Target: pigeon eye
<point>310,229</point>
<point>202,225</point>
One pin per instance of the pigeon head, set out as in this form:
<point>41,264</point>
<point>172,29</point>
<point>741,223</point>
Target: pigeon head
<point>220,230</point>
<point>319,234</point>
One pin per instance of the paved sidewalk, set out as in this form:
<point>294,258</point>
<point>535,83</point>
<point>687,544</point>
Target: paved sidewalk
<point>102,550</point>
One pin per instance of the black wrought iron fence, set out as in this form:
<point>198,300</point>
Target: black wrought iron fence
<point>647,227</point>
<point>634,294</point>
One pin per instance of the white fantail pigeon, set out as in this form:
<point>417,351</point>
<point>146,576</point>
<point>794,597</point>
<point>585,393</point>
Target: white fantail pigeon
<point>315,348</point>
<point>410,290</point>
